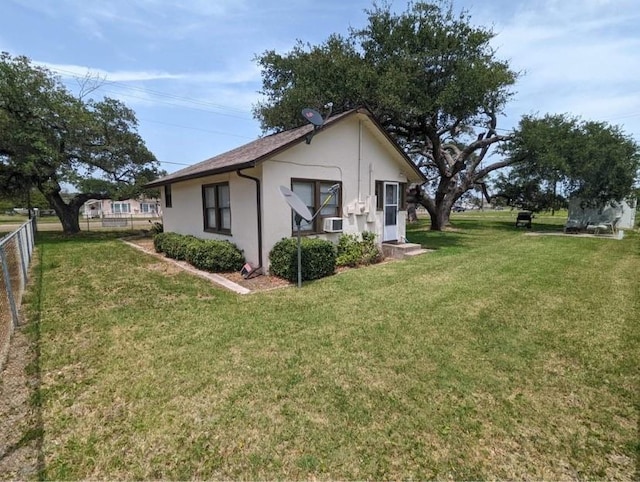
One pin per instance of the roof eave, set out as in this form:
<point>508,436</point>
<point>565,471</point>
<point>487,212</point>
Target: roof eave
<point>225,169</point>
<point>197,175</point>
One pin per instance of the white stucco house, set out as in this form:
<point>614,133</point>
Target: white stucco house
<point>137,208</point>
<point>235,196</point>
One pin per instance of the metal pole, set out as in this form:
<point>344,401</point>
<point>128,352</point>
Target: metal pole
<point>21,254</point>
<point>298,221</point>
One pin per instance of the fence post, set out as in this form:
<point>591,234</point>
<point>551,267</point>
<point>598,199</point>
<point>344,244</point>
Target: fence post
<point>7,284</point>
<point>23,264</point>
<point>32,239</point>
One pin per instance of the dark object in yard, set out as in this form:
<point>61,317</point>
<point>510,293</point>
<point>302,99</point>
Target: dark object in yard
<point>248,271</point>
<point>524,219</point>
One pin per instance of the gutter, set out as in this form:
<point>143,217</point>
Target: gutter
<point>259,215</point>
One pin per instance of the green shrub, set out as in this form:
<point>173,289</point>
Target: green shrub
<point>156,227</point>
<point>215,256</point>
<point>318,259</point>
<point>353,252</point>
<point>162,240</point>
<point>176,247</point>
<point>371,252</point>
<point>209,255</point>
<point>157,242</point>
<point>349,250</point>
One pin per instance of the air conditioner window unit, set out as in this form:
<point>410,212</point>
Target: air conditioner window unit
<point>332,225</point>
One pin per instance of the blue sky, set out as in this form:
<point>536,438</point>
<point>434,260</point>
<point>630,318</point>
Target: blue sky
<point>187,69</point>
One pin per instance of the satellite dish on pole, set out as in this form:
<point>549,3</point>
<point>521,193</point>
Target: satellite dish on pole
<point>315,118</point>
<point>301,212</point>
<point>297,204</point>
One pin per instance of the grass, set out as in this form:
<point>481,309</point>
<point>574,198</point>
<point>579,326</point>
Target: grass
<point>499,355</point>
<point>20,219</point>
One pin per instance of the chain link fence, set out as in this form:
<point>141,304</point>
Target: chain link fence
<point>16,250</point>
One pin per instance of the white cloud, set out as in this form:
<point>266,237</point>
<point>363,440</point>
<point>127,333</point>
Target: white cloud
<point>244,73</point>
<point>241,74</point>
<point>69,71</point>
<point>579,57</point>
<point>147,17</point>
<point>233,91</point>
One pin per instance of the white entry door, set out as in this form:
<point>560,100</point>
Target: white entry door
<point>391,198</point>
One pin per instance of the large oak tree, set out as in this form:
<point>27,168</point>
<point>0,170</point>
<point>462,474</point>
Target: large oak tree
<point>559,155</point>
<point>431,78</point>
<point>50,139</point>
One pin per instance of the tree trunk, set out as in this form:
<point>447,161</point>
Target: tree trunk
<point>68,214</point>
<point>440,208</point>
<point>440,216</point>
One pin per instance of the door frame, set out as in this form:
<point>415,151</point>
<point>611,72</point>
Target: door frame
<point>390,231</point>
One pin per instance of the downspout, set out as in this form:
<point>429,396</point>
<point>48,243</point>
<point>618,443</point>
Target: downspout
<point>359,159</point>
<point>259,214</point>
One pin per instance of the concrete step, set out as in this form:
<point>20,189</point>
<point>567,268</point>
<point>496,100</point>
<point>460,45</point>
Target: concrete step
<point>401,250</point>
<point>416,252</point>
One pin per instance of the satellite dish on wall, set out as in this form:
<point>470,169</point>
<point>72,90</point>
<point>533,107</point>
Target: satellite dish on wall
<point>297,204</point>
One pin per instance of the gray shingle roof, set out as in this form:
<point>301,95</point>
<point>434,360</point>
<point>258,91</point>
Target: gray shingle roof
<point>252,153</point>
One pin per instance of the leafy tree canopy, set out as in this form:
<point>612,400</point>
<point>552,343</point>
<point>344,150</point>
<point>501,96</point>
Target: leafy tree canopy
<point>559,153</point>
<point>49,138</point>
<point>429,76</point>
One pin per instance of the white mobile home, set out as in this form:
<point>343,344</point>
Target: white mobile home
<point>585,213</point>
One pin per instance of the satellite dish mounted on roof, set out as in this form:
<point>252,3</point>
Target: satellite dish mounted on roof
<point>312,116</point>
<point>315,118</point>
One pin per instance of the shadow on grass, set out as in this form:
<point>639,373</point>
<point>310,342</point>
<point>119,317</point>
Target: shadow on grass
<point>37,431</point>
<point>464,232</point>
<point>478,224</point>
<point>420,233</point>
<point>57,237</point>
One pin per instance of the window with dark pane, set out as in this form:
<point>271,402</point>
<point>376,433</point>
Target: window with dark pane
<point>216,200</point>
<point>314,193</point>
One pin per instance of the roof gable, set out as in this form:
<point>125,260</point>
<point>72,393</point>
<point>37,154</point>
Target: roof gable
<point>251,154</point>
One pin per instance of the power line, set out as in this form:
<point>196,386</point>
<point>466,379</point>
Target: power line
<point>173,104</point>
<point>195,128</point>
<point>186,100</point>
<point>176,163</point>
<point>182,105</point>
<point>174,96</point>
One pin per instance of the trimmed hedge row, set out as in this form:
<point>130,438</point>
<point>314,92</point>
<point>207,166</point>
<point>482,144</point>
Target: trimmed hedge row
<point>318,259</point>
<point>209,255</point>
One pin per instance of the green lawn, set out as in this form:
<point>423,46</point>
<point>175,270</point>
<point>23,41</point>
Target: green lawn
<point>499,355</point>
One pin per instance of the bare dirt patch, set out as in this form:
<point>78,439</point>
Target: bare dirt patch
<point>19,439</point>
